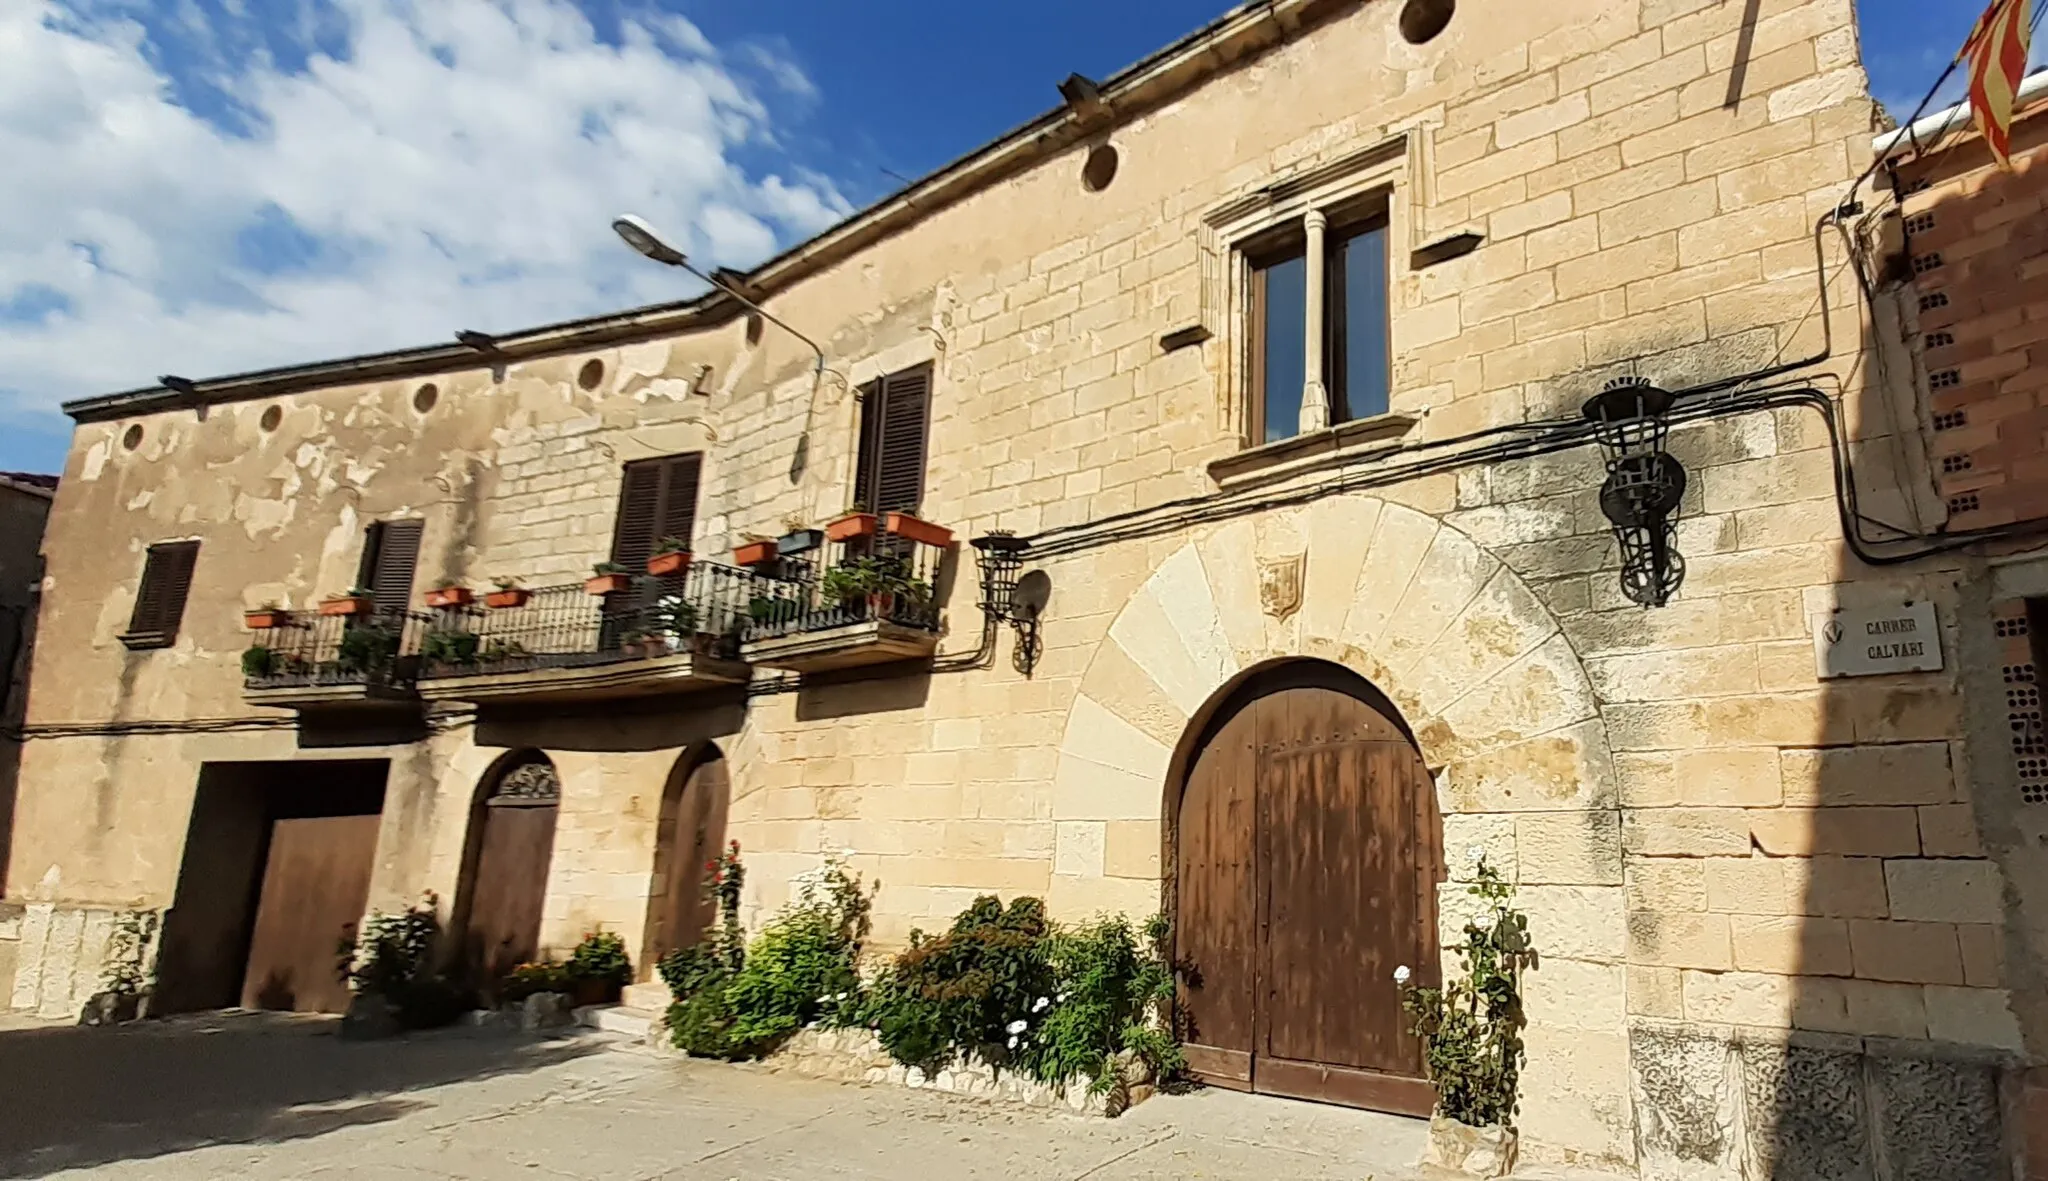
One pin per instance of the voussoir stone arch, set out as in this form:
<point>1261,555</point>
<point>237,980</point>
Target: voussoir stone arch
<point>1497,698</point>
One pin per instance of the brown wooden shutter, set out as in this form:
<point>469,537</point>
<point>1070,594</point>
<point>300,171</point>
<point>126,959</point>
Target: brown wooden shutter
<point>657,499</point>
<point>391,552</point>
<point>160,601</point>
<point>895,418</point>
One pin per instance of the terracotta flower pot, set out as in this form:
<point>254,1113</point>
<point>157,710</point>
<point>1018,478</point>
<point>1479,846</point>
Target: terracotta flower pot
<point>606,584</point>
<point>881,604</point>
<point>664,564</point>
<point>449,596</point>
<point>850,526</point>
<point>591,992</point>
<point>347,605</point>
<point>257,621</point>
<point>511,596</point>
<point>922,532</point>
<point>753,553</point>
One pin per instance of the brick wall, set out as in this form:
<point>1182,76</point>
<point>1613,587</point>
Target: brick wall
<point>1977,250</point>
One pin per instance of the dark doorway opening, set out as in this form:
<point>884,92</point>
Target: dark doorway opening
<point>504,882</point>
<point>275,875</point>
<point>693,813</point>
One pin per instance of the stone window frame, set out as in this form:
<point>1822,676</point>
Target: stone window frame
<point>1386,171</point>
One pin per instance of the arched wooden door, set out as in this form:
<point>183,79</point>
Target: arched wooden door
<point>509,882</point>
<point>1308,851</point>
<point>693,810</point>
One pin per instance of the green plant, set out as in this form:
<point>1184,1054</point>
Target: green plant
<point>1113,994</point>
<point>366,648</point>
<point>126,970</point>
<point>970,991</point>
<point>505,650</point>
<point>674,618</point>
<point>505,584</point>
<point>601,957</point>
<point>604,568</point>
<point>392,959</point>
<point>698,977</point>
<point>865,576</point>
<point>671,545</point>
<point>449,647</point>
<point>803,965</point>
<point>532,979</point>
<point>360,592</point>
<point>766,609</point>
<point>1471,1028</point>
<point>258,661</point>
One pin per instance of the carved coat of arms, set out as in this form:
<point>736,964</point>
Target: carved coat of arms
<point>1280,585</point>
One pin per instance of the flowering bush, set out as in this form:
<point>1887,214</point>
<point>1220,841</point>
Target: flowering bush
<point>392,959</point>
<point>970,991</point>
<point>1471,1028</point>
<point>1112,994</point>
<point>601,958</point>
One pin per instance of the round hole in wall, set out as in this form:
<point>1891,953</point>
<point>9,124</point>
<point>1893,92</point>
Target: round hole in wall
<point>1422,20</point>
<point>423,398</point>
<point>272,417</point>
<point>754,328</point>
<point>132,437</point>
<point>1099,169</point>
<point>591,373</point>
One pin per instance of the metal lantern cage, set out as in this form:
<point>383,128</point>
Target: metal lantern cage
<point>1644,486</point>
<point>1001,557</point>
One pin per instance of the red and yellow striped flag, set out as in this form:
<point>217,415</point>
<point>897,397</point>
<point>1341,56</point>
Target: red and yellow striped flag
<point>1997,53</point>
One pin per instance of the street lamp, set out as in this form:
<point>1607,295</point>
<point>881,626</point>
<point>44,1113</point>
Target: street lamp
<point>1644,485</point>
<point>642,237</point>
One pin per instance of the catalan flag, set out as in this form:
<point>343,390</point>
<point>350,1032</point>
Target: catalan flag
<point>1997,56</point>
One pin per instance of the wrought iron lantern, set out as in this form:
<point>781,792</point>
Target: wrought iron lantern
<point>1644,486</point>
<point>1008,598</point>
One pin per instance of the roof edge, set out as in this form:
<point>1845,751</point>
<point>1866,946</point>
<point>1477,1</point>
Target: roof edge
<point>1236,36</point>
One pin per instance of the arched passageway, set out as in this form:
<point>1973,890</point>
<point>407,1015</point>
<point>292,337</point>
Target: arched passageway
<point>1306,851</point>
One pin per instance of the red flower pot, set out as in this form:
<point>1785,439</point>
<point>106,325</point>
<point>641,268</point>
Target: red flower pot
<point>511,596</point>
<point>850,526</point>
<point>257,621</point>
<point>449,596</point>
<point>754,553</point>
<point>922,532</point>
<point>606,584</point>
<point>662,564</point>
<point>347,605</point>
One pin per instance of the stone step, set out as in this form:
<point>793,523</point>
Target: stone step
<point>651,997</point>
<point>634,1023</point>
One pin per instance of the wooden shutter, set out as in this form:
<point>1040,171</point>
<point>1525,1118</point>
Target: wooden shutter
<point>391,552</point>
<point>895,418</point>
<point>657,499</point>
<point>160,602</point>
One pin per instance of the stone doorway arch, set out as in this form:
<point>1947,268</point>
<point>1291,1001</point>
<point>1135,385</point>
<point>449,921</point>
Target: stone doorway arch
<point>503,887</point>
<point>695,803</point>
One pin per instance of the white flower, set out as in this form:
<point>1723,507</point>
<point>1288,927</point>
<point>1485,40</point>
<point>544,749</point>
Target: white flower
<point>1040,1005</point>
<point>1474,854</point>
<point>1401,974</point>
<point>1013,1041</point>
<point>1016,1026</point>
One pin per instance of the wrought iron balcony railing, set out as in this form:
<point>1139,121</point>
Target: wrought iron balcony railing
<point>878,576</point>
<point>700,610</point>
<point>379,650</point>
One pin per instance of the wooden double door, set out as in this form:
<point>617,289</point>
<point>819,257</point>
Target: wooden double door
<point>1308,851</point>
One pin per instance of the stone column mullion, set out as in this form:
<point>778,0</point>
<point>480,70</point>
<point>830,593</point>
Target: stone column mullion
<point>1315,398</point>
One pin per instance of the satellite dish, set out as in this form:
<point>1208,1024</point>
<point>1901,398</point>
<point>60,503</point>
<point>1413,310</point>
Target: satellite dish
<point>1034,591</point>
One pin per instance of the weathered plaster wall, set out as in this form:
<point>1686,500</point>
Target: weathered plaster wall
<point>1717,851</point>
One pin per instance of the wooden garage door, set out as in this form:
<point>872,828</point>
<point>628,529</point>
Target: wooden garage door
<point>316,881</point>
<point>508,886</point>
<point>1308,856</point>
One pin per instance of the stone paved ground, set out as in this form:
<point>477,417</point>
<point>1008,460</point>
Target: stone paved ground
<point>248,1096</point>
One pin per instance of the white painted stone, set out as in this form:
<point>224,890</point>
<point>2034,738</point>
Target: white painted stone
<point>1083,789</point>
<point>1147,634</point>
<point>1398,544</point>
<point>1229,558</point>
<point>1077,847</point>
<point>1096,734</point>
<point>1181,585</point>
<point>1338,531</point>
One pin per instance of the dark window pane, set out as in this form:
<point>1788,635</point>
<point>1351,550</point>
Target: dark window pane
<point>1285,304</point>
<point>1363,260</point>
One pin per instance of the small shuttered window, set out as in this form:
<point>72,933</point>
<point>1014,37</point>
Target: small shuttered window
<point>160,601</point>
<point>895,417</point>
<point>391,552</point>
<point>657,499</point>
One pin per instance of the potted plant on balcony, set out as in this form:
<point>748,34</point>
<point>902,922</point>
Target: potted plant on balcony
<point>449,595</point>
<point>872,580</point>
<point>358,601</point>
<point>266,617</point>
<point>607,578</point>
<point>798,537</point>
<point>671,556</point>
<point>923,532</point>
<point>258,661</point>
<point>449,648</point>
<point>508,594</point>
<point>755,551</point>
<point>366,648</point>
<point>855,522</point>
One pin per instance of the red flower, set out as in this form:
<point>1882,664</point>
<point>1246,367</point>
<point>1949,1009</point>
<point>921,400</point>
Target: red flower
<point>735,848</point>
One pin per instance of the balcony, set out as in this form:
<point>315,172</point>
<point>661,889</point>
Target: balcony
<point>866,598</point>
<point>334,660</point>
<point>648,635</point>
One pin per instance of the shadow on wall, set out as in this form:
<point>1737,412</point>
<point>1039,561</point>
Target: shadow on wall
<point>76,1098</point>
<point>608,727</point>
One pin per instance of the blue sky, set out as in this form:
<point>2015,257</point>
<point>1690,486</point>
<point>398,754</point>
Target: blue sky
<point>215,185</point>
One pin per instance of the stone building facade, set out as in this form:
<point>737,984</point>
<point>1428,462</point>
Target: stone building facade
<point>1782,918</point>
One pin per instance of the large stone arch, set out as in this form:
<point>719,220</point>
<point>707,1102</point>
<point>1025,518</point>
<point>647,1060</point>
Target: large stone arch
<point>1499,705</point>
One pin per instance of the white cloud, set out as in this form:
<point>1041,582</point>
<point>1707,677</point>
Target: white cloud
<point>453,164</point>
